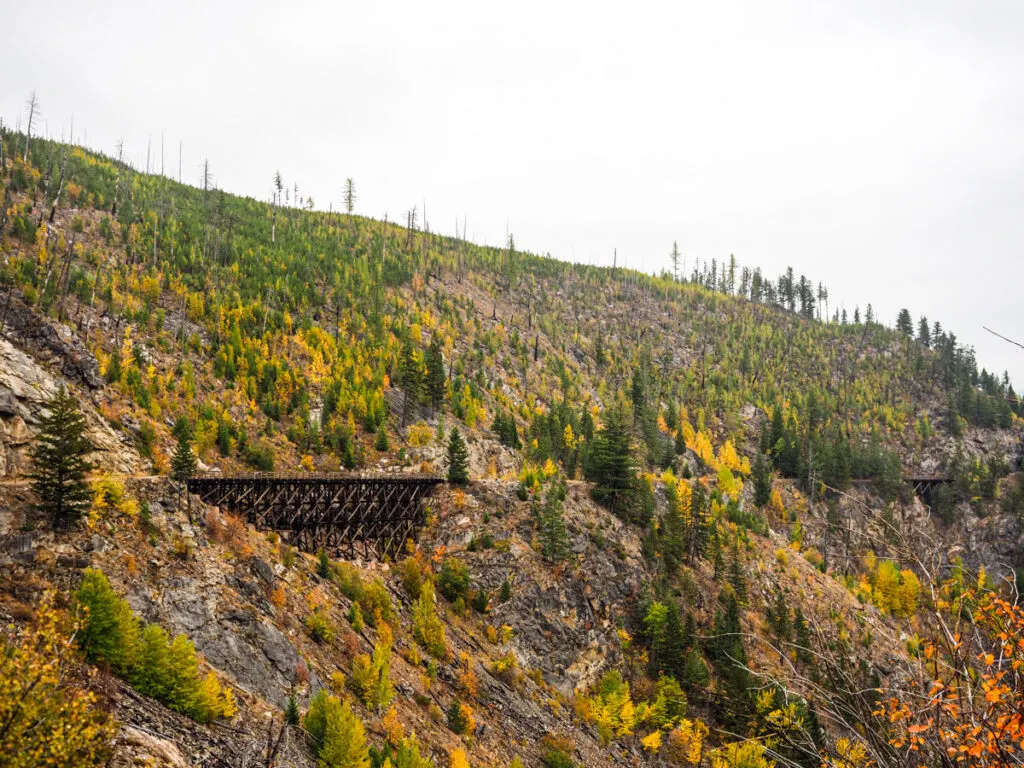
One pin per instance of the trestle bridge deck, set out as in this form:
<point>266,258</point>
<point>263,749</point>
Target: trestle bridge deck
<point>345,514</point>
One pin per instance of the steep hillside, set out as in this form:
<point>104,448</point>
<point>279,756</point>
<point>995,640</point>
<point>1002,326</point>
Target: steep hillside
<point>687,508</point>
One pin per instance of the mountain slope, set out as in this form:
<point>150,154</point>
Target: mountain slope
<point>299,340</point>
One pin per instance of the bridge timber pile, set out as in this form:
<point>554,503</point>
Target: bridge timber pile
<point>345,514</point>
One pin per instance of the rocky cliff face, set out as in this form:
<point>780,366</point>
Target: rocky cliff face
<point>37,357</point>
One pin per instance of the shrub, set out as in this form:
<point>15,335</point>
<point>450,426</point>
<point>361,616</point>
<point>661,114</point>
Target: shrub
<point>460,718</point>
<point>419,434</point>
<point>319,627</point>
<point>481,601</point>
<point>355,617</point>
<point>52,722</point>
<point>453,579</point>
<point>370,680</point>
<point>413,574</point>
<point>339,739</point>
<point>427,627</point>
<point>468,681</point>
<point>323,565</point>
<point>556,752</point>
<point>505,668</point>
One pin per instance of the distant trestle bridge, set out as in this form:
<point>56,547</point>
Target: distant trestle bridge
<point>345,514</point>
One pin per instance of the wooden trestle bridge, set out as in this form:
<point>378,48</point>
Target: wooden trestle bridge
<point>924,487</point>
<point>347,515</point>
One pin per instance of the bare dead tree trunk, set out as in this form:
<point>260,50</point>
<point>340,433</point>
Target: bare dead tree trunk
<point>33,108</point>
<point>60,185</point>
<point>63,279</point>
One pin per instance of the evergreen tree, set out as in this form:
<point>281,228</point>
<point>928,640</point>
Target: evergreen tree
<point>695,670</point>
<point>736,577</point>
<point>458,459</point>
<point>554,537</point>
<point>504,426</point>
<point>674,257</point>
<point>726,647</point>
<point>674,532</point>
<point>411,374</point>
<point>183,464</point>
<point>457,720</point>
<point>291,711</point>
<point>778,617</point>
<point>904,324</point>
<point>803,638</point>
<point>762,472</point>
<point>350,196</point>
<point>113,372</point>
<point>58,461</point>
<point>924,334</point>
<point>611,466</point>
<point>671,650</point>
<point>436,378</point>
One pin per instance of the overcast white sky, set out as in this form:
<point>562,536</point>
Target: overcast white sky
<point>875,146</point>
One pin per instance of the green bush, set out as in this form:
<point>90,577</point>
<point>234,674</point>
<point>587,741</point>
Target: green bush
<point>319,627</point>
<point>453,580</point>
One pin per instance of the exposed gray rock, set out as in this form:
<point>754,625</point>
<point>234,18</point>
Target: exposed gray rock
<point>234,640</point>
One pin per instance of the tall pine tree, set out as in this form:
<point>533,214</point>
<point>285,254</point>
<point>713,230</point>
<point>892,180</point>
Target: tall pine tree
<point>183,464</point>
<point>611,466</point>
<point>412,379</point>
<point>554,537</point>
<point>58,461</point>
<point>458,458</point>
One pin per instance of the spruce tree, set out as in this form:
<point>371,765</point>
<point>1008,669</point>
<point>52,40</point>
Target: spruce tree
<point>411,379</point>
<point>736,577</point>
<point>183,464</point>
<point>762,481</point>
<point>779,618</point>
<point>803,638</point>
<point>695,670</point>
<point>458,459</point>
<point>672,645</point>
<point>457,721</point>
<point>904,324</point>
<point>291,711</point>
<point>554,537</point>
<point>58,461</point>
<point>611,466</point>
<point>924,334</point>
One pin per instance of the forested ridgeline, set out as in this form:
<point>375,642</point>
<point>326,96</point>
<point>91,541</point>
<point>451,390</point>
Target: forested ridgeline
<point>182,291</point>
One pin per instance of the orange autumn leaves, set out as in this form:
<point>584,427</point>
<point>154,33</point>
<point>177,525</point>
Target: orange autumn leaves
<point>973,713</point>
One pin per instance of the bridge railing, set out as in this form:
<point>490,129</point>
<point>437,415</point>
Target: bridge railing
<point>289,476</point>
